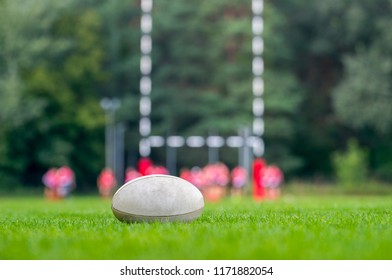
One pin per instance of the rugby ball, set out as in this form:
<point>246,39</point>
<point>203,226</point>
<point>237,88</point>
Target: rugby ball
<point>161,198</point>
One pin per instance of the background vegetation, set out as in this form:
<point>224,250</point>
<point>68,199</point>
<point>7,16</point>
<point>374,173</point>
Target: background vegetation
<point>328,79</point>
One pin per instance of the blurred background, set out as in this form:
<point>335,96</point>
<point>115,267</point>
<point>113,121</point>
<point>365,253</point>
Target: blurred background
<point>328,86</point>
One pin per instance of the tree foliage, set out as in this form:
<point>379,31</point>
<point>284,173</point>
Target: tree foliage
<point>364,96</point>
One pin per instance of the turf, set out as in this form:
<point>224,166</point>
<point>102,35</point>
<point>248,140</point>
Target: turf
<point>332,227</point>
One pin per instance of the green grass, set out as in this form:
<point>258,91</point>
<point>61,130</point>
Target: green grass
<point>296,227</point>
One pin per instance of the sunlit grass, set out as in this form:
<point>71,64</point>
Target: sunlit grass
<point>313,227</point>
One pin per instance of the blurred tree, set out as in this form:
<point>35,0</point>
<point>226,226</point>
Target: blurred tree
<point>70,130</point>
<point>338,54</point>
<point>24,38</point>
<point>364,97</point>
<point>362,101</point>
<point>59,72</point>
<point>24,34</point>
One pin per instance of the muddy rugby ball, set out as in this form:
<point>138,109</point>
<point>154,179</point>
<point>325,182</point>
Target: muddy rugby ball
<point>161,198</point>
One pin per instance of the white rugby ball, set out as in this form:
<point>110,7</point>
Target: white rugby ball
<point>157,198</point>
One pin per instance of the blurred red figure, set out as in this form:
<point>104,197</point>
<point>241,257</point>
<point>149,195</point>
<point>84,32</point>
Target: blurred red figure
<point>106,182</point>
<point>216,179</point>
<point>271,179</point>
<point>143,165</point>
<point>239,178</point>
<point>131,174</point>
<point>58,182</point>
<point>65,180</point>
<point>222,174</point>
<point>197,177</point>
<point>258,188</point>
<point>51,184</point>
<point>186,174</point>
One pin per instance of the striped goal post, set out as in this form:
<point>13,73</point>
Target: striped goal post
<point>254,140</point>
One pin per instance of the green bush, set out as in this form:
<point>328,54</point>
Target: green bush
<point>351,166</point>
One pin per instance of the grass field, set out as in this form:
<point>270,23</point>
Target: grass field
<point>295,227</point>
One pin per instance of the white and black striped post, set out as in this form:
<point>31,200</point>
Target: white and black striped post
<point>145,79</point>
<point>258,82</point>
